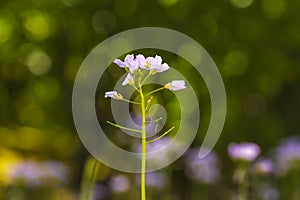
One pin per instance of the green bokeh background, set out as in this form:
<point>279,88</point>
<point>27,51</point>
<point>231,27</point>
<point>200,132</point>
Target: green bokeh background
<point>255,44</point>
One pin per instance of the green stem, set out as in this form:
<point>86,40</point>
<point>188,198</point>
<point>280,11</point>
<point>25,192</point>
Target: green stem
<point>161,88</point>
<point>123,127</point>
<point>133,102</point>
<point>91,170</point>
<point>148,103</point>
<point>149,74</point>
<point>244,184</point>
<point>296,192</point>
<point>152,121</point>
<point>165,133</point>
<point>144,147</point>
<point>135,88</point>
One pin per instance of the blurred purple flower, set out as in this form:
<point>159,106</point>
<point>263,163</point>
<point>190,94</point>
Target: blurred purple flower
<point>265,166</point>
<point>270,193</point>
<point>119,183</point>
<point>35,173</point>
<point>155,180</point>
<point>100,192</point>
<point>56,170</point>
<point>29,172</point>
<point>288,154</point>
<point>204,170</point>
<point>244,151</point>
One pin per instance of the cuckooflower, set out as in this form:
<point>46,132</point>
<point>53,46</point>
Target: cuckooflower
<point>113,95</point>
<point>142,61</point>
<point>156,64</point>
<point>128,80</point>
<point>120,63</point>
<point>129,62</point>
<point>176,85</point>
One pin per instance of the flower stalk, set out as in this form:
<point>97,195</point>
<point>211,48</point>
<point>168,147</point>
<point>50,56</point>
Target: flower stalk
<point>144,146</point>
<point>139,69</point>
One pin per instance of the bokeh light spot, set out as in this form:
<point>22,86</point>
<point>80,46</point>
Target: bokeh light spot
<point>8,159</point>
<point>70,3</point>
<point>104,21</point>
<point>242,3</point>
<point>125,9</point>
<point>38,62</point>
<point>273,8</point>
<point>31,115</point>
<point>38,25</point>
<point>167,2</point>
<point>235,63</point>
<point>5,30</point>
<point>71,67</point>
<point>46,89</point>
<point>269,85</point>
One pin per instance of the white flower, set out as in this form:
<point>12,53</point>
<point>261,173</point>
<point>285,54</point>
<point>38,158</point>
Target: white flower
<point>129,62</point>
<point>142,61</point>
<point>128,80</point>
<point>156,65</point>
<point>113,95</point>
<point>120,63</point>
<point>129,58</point>
<point>133,66</point>
<point>176,85</point>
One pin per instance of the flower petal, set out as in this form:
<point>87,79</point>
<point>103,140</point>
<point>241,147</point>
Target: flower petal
<point>133,66</point>
<point>158,60</point>
<point>113,95</point>
<point>129,58</point>
<point>120,63</point>
<point>176,85</point>
<point>128,80</point>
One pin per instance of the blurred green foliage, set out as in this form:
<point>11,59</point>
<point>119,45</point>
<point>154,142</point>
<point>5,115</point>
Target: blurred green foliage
<point>255,44</point>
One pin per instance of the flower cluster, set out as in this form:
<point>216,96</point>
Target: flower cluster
<point>154,64</point>
<point>138,69</point>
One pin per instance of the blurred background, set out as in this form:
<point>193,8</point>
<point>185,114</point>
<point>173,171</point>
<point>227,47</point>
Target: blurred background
<point>255,44</point>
